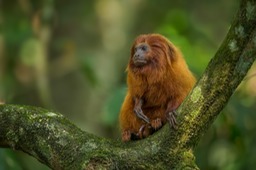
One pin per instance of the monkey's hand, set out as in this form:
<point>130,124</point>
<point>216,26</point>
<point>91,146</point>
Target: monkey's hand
<point>171,117</point>
<point>171,114</point>
<point>138,111</point>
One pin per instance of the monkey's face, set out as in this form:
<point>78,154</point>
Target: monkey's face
<point>140,54</point>
<point>151,51</point>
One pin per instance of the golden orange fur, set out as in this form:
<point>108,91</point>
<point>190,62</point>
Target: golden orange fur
<point>162,84</point>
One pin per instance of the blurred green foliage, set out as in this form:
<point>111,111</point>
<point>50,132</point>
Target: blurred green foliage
<point>71,57</point>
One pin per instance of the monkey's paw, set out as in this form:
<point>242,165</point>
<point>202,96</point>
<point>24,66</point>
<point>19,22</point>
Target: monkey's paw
<point>144,131</point>
<point>171,117</point>
<point>156,123</point>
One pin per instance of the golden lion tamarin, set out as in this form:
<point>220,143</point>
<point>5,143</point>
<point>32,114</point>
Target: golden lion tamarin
<point>158,81</point>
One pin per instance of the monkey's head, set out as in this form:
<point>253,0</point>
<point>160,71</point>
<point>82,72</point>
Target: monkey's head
<point>151,52</point>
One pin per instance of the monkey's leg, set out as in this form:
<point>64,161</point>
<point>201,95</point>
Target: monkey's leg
<point>138,111</point>
<point>171,114</point>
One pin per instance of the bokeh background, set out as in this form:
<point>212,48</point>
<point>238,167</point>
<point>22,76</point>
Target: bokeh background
<point>70,57</point>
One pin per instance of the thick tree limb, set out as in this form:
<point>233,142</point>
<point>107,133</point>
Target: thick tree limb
<point>56,142</point>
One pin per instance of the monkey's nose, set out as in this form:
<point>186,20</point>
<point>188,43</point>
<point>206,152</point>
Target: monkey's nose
<point>138,55</point>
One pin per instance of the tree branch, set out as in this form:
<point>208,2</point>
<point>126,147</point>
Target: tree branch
<point>222,76</point>
<point>56,142</point>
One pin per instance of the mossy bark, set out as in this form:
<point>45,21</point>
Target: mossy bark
<point>56,142</point>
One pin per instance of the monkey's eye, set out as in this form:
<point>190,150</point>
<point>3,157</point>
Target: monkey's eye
<point>144,48</point>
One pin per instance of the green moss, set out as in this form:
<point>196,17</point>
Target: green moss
<point>12,137</point>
